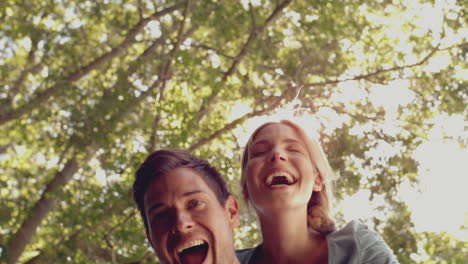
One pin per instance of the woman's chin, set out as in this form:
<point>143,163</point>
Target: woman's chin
<point>277,204</point>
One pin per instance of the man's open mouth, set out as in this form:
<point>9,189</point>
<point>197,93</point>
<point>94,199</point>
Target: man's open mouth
<point>193,252</point>
<point>280,178</point>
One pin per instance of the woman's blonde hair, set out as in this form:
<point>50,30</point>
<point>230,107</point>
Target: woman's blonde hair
<point>319,213</point>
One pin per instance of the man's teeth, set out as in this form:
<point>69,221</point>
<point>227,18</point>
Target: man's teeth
<point>190,244</point>
<point>288,177</point>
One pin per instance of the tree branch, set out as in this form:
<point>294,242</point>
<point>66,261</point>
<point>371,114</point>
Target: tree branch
<point>378,72</point>
<point>228,127</point>
<point>129,39</point>
<point>145,56</point>
<point>96,251</point>
<point>145,256</point>
<point>42,258</point>
<point>3,148</point>
<point>112,229</point>
<point>164,74</point>
<point>30,61</point>
<point>46,94</point>
<point>140,8</point>
<point>44,205</point>
<point>22,237</point>
<point>254,33</point>
<point>41,208</point>
<point>179,41</point>
<point>252,15</point>
<point>206,47</point>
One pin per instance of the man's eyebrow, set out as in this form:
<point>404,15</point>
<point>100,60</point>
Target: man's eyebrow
<point>157,205</point>
<point>192,192</point>
<point>154,206</point>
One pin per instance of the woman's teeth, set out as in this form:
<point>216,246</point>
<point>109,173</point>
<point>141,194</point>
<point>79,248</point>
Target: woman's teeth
<point>280,178</point>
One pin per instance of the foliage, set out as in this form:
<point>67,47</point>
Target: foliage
<point>89,88</point>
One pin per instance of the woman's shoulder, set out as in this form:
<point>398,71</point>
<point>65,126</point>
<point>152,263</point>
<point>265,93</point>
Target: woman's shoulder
<point>357,243</point>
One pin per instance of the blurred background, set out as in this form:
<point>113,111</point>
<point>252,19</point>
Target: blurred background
<point>89,88</point>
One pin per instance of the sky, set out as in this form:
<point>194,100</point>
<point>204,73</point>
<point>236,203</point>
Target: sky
<point>438,202</point>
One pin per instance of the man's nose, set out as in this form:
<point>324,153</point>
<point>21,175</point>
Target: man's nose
<point>277,156</point>
<point>184,222</point>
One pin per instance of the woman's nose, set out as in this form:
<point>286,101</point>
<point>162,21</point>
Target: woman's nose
<point>277,156</point>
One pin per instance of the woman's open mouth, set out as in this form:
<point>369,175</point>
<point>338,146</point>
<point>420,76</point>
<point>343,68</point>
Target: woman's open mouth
<point>280,178</point>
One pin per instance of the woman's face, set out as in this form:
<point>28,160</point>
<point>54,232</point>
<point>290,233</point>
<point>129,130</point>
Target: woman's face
<point>279,171</point>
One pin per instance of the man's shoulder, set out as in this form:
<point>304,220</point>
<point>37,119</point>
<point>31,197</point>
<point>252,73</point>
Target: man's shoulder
<point>245,255</point>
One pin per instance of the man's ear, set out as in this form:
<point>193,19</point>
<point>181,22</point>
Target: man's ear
<point>148,237</point>
<point>232,209</point>
<point>245,192</point>
<point>318,183</point>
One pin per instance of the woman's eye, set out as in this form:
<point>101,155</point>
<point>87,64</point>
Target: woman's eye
<point>296,148</point>
<point>257,153</point>
<point>259,150</point>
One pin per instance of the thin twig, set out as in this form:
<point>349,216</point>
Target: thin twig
<point>206,47</point>
<point>228,127</point>
<point>381,71</point>
<point>253,35</point>
<point>252,15</point>
<point>164,74</point>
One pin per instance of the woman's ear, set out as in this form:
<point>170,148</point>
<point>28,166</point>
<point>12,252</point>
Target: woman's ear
<point>318,183</point>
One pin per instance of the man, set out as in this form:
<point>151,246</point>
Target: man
<point>189,214</point>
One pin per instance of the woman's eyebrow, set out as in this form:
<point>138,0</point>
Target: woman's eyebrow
<point>286,140</point>
<point>291,140</point>
<point>260,142</point>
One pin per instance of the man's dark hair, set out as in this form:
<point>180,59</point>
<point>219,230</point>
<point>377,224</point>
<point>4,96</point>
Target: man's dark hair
<point>161,162</point>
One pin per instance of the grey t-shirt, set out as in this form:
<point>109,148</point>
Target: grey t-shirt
<point>353,244</point>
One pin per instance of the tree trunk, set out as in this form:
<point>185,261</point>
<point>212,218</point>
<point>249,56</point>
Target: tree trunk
<point>22,237</point>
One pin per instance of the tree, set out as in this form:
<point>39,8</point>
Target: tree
<point>90,88</point>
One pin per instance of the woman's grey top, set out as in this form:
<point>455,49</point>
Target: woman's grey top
<point>353,244</point>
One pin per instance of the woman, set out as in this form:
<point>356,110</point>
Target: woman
<point>286,178</point>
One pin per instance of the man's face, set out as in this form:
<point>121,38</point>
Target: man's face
<point>186,222</point>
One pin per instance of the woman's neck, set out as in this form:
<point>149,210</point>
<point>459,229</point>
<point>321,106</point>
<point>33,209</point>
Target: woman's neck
<point>286,239</point>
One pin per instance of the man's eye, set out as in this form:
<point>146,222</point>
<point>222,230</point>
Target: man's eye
<point>194,204</point>
<point>160,217</point>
